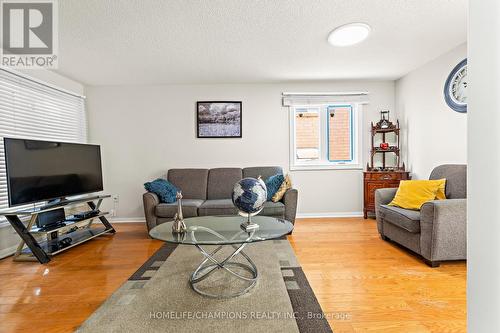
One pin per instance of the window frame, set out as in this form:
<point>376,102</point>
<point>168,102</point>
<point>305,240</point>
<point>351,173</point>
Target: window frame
<point>323,163</point>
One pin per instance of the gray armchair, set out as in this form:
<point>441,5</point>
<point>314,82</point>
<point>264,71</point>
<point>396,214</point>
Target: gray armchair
<point>438,232</point>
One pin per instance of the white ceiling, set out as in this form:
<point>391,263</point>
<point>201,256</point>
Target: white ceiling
<point>113,42</point>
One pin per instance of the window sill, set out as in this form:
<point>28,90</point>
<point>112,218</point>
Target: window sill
<point>325,167</point>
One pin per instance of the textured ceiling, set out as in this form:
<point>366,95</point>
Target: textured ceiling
<point>113,42</point>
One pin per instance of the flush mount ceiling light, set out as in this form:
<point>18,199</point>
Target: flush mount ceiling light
<point>349,34</point>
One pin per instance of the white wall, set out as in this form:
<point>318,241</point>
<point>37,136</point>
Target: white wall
<point>146,130</point>
<point>483,221</point>
<point>432,133</point>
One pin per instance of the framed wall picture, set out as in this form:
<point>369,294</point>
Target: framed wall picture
<point>218,119</point>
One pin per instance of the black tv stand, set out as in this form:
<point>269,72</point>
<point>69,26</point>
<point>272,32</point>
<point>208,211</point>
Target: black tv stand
<point>77,230</point>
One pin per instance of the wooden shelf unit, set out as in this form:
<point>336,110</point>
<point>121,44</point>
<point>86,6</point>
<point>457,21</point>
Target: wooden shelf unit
<point>395,148</point>
<point>385,176</point>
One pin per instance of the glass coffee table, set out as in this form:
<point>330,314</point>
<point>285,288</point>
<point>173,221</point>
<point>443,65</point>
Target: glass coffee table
<point>223,231</point>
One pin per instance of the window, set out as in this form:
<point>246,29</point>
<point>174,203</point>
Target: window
<point>340,130</point>
<point>307,139</point>
<point>32,110</point>
<point>324,136</point>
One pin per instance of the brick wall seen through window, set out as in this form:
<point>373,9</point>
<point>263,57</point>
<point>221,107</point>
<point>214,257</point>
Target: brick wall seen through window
<point>307,134</point>
<point>339,134</point>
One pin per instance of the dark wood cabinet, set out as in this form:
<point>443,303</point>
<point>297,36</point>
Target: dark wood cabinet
<point>379,179</point>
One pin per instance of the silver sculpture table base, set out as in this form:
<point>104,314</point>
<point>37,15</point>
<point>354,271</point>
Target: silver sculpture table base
<point>210,265</point>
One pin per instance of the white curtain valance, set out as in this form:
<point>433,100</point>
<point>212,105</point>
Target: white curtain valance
<point>294,99</point>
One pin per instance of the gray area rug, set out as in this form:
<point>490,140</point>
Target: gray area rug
<point>158,297</point>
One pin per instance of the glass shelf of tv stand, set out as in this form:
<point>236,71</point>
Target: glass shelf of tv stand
<point>69,225</point>
<point>51,206</point>
<point>53,246</point>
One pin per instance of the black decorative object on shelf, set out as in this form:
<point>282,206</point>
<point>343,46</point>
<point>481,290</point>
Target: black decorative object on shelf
<point>384,119</point>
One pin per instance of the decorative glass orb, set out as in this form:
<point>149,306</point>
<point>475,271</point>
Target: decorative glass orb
<point>249,196</point>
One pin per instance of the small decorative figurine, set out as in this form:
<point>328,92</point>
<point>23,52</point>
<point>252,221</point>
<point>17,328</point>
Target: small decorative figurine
<point>179,236</point>
<point>179,226</point>
<point>384,145</point>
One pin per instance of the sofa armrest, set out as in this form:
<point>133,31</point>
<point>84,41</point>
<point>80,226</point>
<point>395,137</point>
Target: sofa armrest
<point>383,196</point>
<point>290,200</point>
<point>443,229</point>
<point>150,201</point>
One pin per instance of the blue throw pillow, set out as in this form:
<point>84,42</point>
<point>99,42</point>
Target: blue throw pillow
<point>273,184</point>
<point>165,190</point>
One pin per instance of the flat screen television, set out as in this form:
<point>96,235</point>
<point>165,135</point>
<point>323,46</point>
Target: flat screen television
<point>47,170</point>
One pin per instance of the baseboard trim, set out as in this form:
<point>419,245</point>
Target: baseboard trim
<point>329,215</point>
<point>4,224</point>
<point>127,219</point>
<point>8,252</point>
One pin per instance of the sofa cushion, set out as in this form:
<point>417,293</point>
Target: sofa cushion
<point>273,184</point>
<point>221,182</point>
<point>165,190</point>
<point>217,207</point>
<point>191,182</point>
<point>412,194</point>
<point>273,209</point>
<point>403,218</point>
<point>189,208</point>
<point>285,186</point>
<point>264,172</point>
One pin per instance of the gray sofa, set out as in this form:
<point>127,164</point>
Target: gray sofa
<point>437,232</point>
<point>208,192</point>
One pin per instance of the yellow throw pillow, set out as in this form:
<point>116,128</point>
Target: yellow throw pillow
<point>287,184</point>
<point>441,194</point>
<point>412,194</point>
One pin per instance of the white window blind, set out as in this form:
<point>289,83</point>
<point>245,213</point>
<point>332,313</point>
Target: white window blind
<point>32,110</point>
<point>301,99</point>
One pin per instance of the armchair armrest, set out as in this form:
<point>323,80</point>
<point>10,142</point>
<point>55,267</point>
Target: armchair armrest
<point>383,196</point>
<point>443,229</point>
<point>150,201</point>
<point>290,201</point>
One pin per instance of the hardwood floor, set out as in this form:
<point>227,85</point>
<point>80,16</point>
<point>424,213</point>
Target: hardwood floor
<point>365,284</point>
<point>362,283</point>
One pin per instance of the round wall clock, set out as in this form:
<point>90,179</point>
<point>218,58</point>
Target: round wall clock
<point>455,88</point>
